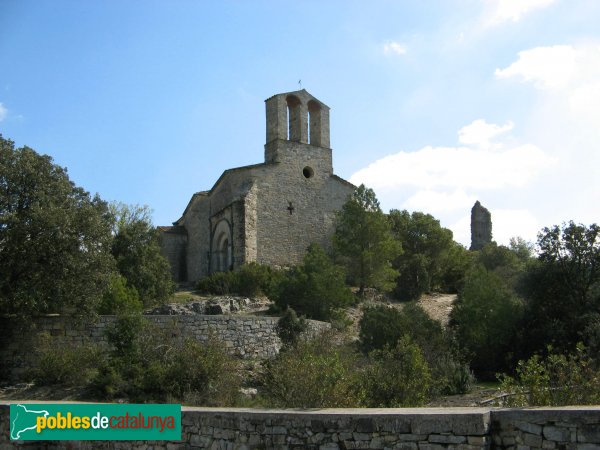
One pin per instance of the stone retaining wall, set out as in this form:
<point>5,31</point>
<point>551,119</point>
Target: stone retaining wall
<point>333,429</point>
<point>245,336</point>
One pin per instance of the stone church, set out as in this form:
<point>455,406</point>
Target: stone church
<point>268,212</point>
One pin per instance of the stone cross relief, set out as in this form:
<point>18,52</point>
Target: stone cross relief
<point>290,208</point>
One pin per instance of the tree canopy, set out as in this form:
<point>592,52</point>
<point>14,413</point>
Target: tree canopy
<point>137,253</point>
<point>364,241</point>
<point>424,242</point>
<point>54,237</point>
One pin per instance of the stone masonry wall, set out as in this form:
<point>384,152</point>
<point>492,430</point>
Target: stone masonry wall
<point>294,211</point>
<point>244,336</point>
<point>338,429</point>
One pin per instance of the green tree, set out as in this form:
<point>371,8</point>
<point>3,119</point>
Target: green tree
<point>562,289</point>
<point>137,253</point>
<point>383,327</point>
<point>431,259</point>
<point>522,248</point>
<point>485,320</point>
<point>54,238</point>
<point>364,241</point>
<point>119,298</point>
<point>455,263</point>
<point>315,288</point>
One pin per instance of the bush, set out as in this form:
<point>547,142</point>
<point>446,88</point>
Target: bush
<point>219,283</point>
<point>315,288</point>
<point>148,363</point>
<point>312,374</point>
<point>397,376</point>
<point>290,327</point>
<point>69,365</point>
<point>252,280</point>
<point>119,298</point>
<point>257,279</point>
<point>555,380</point>
<point>382,327</point>
<point>485,320</point>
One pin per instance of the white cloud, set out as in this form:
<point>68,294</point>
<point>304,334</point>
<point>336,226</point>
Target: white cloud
<point>546,67</point>
<point>446,181</point>
<point>394,48</point>
<point>566,73</point>
<point>480,133</point>
<point>3,112</point>
<point>455,167</point>
<point>435,201</point>
<point>507,223</point>
<point>501,11</point>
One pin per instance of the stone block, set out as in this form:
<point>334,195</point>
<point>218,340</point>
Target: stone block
<point>446,439</point>
<point>428,446</point>
<point>412,437</point>
<point>478,440</point>
<point>530,428</point>
<point>427,424</point>
<point>556,434</point>
<point>365,425</point>
<point>361,436</point>
<point>406,446</point>
<point>329,446</point>
<point>532,440</point>
<point>589,434</point>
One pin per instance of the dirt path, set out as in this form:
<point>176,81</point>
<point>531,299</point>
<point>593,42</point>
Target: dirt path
<point>438,306</point>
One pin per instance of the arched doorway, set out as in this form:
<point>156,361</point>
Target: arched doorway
<point>222,260</point>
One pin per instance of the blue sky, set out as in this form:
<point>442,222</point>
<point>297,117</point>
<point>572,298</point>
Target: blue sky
<point>435,104</point>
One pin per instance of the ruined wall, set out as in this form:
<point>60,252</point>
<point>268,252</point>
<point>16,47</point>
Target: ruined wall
<point>244,336</point>
<point>337,429</point>
<point>481,226</point>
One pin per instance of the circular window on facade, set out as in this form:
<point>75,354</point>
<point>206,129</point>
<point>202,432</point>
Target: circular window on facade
<point>308,172</point>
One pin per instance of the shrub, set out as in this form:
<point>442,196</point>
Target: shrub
<point>257,279</point>
<point>290,327</point>
<point>69,365</point>
<point>148,363</point>
<point>219,283</point>
<point>119,298</point>
<point>553,381</point>
<point>397,376</point>
<point>485,320</point>
<point>312,374</point>
<point>382,327</point>
<point>252,280</point>
<point>315,288</point>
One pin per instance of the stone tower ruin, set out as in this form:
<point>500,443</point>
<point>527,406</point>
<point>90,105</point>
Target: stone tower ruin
<point>481,226</point>
<point>269,212</point>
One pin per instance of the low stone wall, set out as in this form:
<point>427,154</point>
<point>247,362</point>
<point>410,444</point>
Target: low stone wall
<point>551,428</point>
<point>245,336</point>
<point>333,429</point>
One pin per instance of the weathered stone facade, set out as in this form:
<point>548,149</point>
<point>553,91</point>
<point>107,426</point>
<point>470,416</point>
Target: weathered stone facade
<point>383,429</point>
<point>269,212</point>
<point>481,226</point>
